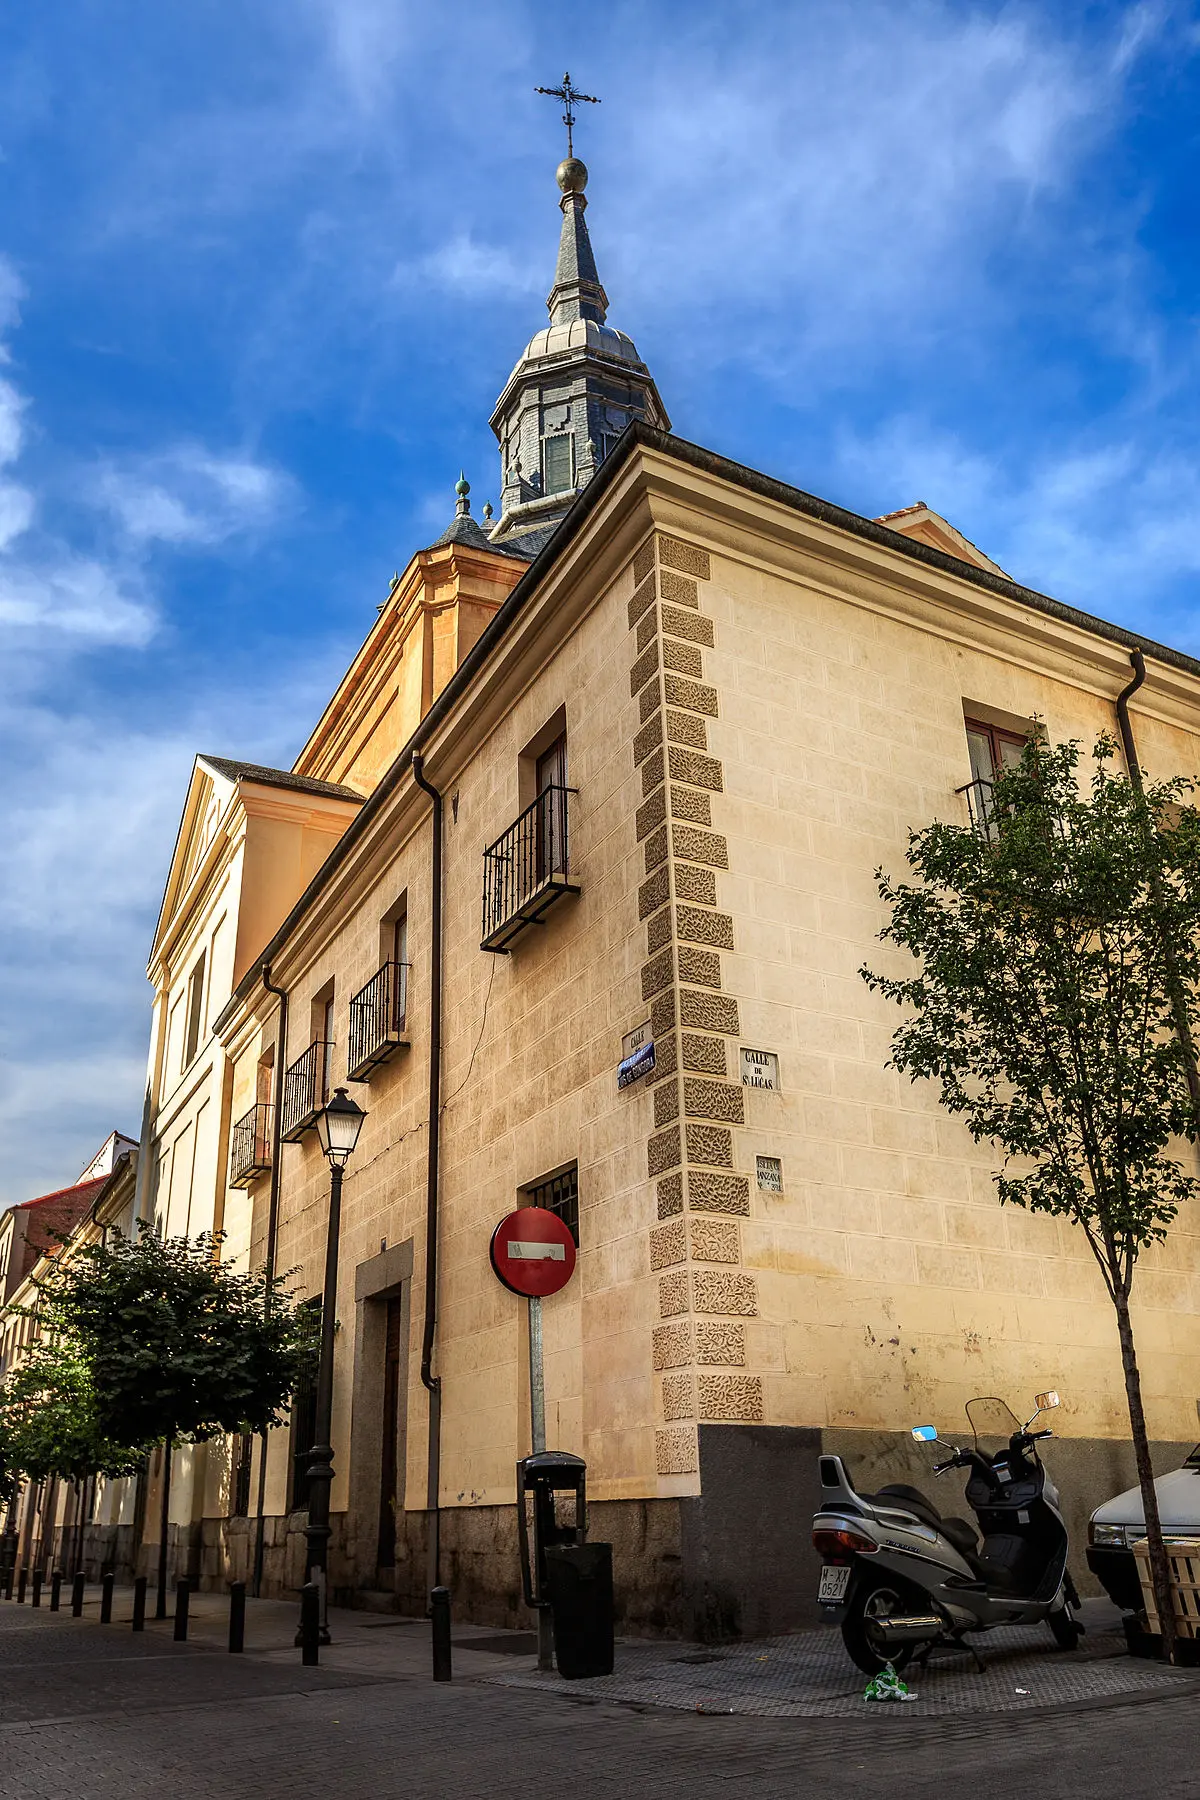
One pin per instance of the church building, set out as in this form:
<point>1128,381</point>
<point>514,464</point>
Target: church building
<point>569,887</point>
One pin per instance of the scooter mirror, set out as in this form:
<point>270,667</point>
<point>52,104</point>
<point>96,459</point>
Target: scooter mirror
<point>1046,1402</point>
<point>925,1434</point>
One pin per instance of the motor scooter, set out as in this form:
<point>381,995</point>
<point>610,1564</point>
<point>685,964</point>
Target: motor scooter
<point>901,1578</point>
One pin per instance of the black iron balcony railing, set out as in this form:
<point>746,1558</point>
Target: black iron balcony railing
<point>981,806</point>
<point>526,870</point>
<point>305,1090</point>
<point>250,1145</point>
<point>377,1020</point>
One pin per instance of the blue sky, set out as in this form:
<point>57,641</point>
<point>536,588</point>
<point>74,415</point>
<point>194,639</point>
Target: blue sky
<point>264,268</point>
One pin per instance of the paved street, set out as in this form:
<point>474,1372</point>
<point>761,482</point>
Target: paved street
<point>92,1713</point>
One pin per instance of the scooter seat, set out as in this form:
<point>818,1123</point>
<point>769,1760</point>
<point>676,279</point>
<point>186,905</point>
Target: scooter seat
<point>908,1499</point>
<point>963,1536</point>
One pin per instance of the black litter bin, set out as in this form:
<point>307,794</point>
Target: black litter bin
<point>581,1600</point>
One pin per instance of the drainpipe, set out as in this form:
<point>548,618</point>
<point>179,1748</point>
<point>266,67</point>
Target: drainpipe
<point>433,1383</point>
<point>272,1238</point>
<point>1183,1030</point>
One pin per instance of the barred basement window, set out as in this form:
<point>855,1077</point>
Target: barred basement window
<point>559,1194</point>
<point>556,464</point>
<point>770,1174</point>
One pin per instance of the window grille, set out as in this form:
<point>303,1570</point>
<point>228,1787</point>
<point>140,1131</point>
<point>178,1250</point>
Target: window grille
<point>559,1194</point>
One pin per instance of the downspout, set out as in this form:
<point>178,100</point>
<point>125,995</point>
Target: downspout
<point>272,1240</point>
<point>432,1382</point>
<point>1183,1030</point>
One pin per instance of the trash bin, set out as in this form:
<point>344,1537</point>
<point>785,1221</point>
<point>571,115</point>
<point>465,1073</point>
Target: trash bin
<point>581,1600</point>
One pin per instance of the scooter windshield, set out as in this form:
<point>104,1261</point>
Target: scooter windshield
<point>991,1417</point>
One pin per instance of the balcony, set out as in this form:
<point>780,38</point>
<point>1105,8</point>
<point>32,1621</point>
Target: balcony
<point>526,870</point>
<point>981,807</point>
<point>305,1090</point>
<point>377,1020</point>
<point>250,1146</point>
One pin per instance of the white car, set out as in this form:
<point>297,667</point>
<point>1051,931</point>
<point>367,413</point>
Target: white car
<point>1121,1522</point>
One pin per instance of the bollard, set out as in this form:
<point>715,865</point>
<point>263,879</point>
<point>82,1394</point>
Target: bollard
<point>106,1597</point>
<point>310,1624</point>
<point>37,1588</point>
<point>439,1612</point>
<point>139,1603</point>
<point>56,1590</point>
<point>183,1589</point>
<point>9,1575</point>
<point>237,1616</point>
<point>77,1587</point>
<point>22,1580</point>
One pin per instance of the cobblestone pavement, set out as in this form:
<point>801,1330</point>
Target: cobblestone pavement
<point>89,1712</point>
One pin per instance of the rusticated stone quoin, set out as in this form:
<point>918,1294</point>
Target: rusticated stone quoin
<point>709,1012</point>
<point>669,1194</point>
<point>685,659</point>
<point>673,1295</point>
<point>721,1291</point>
<point>718,1343</point>
<point>704,1055</point>
<point>662,1152</point>
<point>658,931</point>
<point>699,846</point>
<point>648,702</point>
<point>691,625</point>
<point>662,1015</point>
<point>653,771</point>
<point>687,804</point>
<point>643,561</point>
<point>652,814</point>
<point>687,728</point>
<point>672,1344</point>
<point>729,1397</point>
<point>701,966</point>
<point>653,893</point>
<point>713,1100</point>
<point>647,739</point>
<point>709,1192</point>
<point>695,884</point>
<point>713,1240</point>
<point>656,849</point>
<point>647,626</point>
<point>658,974</point>
<point>678,588</point>
<point>701,771</point>
<point>696,927</point>
<point>675,1450</point>
<point>644,669</point>
<point>665,1060</point>
<point>677,1402</point>
<point>709,1144</point>
<point>687,558</point>
<point>668,1245</point>
<point>692,695</point>
<point>666,1102</point>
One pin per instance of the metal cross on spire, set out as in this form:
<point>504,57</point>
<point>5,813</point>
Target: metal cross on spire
<point>570,97</point>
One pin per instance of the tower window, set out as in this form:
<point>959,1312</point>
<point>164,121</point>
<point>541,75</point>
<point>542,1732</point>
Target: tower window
<point>556,463</point>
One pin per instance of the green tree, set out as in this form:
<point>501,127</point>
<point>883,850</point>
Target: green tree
<point>1054,1005</point>
<point>50,1423</point>
<point>177,1343</point>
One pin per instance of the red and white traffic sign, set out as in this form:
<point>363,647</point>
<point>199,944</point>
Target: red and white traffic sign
<point>533,1252</point>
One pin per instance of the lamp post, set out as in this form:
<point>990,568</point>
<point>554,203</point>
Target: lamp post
<point>338,1125</point>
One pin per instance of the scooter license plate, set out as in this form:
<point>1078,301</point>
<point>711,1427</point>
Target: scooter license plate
<point>834,1582</point>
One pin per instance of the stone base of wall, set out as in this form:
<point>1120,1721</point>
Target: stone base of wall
<point>736,1561</point>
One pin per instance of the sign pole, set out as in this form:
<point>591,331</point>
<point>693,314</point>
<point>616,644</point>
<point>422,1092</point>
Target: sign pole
<point>537,1433</point>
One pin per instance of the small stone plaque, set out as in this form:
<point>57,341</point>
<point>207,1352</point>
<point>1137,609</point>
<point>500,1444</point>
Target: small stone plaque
<point>760,1068</point>
<point>770,1174</point>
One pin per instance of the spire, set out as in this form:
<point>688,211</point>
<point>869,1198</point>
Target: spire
<point>576,293</point>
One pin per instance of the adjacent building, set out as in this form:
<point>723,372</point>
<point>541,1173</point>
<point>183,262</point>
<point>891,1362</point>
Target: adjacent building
<point>615,770</point>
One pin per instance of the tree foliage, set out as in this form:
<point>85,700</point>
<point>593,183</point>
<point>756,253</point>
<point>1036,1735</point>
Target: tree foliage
<point>50,1421</point>
<point>177,1343</point>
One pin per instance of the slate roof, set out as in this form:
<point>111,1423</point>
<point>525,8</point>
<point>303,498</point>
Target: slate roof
<point>466,530</point>
<point>280,778</point>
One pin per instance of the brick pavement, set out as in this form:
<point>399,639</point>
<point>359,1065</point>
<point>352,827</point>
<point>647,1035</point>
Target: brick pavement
<point>94,1713</point>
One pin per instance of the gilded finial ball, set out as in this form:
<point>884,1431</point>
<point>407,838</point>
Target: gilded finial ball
<point>462,487</point>
<point>571,175</point>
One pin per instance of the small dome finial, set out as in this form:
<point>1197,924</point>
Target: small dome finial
<point>571,175</point>
<point>462,488</point>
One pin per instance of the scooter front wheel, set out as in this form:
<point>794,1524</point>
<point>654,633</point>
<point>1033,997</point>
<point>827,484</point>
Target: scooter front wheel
<point>1067,1631</point>
<point>860,1629</point>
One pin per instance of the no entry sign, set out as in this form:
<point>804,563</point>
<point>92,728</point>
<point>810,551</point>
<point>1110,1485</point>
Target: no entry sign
<point>533,1252</point>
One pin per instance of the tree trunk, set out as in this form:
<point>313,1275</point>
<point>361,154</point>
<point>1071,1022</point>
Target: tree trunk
<point>1160,1572</point>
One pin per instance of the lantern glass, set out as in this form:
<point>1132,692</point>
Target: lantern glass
<point>338,1125</point>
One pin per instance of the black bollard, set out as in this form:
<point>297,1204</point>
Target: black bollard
<point>37,1588</point>
<point>439,1612</point>
<point>183,1589</point>
<point>139,1603</point>
<point>22,1581</point>
<point>237,1616</point>
<point>9,1577</point>
<point>77,1587</point>
<point>310,1625</point>
<point>56,1590</point>
<point>106,1597</point>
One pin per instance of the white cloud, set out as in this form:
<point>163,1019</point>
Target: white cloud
<point>189,495</point>
<point>463,266</point>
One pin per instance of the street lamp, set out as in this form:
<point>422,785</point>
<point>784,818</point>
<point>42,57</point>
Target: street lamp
<point>338,1125</point>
